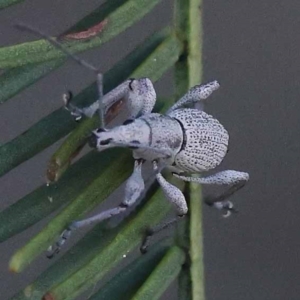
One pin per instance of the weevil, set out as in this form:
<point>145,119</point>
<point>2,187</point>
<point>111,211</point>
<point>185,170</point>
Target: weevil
<point>184,141</point>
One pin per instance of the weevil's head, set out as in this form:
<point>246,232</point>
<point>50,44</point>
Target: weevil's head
<point>132,132</point>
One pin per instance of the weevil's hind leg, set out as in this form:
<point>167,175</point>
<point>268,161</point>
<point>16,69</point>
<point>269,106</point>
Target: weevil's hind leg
<point>176,197</point>
<point>196,94</point>
<point>221,203</point>
<point>229,177</point>
<point>133,189</point>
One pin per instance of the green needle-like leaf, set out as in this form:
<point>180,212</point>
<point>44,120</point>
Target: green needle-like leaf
<point>95,193</point>
<point>15,80</point>
<point>126,240</point>
<point>46,199</point>
<point>73,260</point>
<point>124,284</point>
<point>164,273</point>
<point>38,51</point>
<point>6,3</point>
<point>80,254</point>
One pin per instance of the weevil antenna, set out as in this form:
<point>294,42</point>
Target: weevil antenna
<point>25,27</point>
<point>55,43</point>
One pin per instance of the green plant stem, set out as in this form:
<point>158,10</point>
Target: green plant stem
<point>188,72</point>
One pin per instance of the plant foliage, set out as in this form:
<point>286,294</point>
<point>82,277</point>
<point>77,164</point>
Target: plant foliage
<point>103,248</point>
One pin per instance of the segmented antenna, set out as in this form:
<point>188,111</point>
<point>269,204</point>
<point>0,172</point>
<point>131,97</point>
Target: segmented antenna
<point>55,43</point>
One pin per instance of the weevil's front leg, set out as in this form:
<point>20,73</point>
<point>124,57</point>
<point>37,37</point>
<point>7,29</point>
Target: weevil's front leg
<point>117,94</point>
<point>234,178</point>
<point>176,197</point>
<point>138,94</point>
<point>195,94</point>
<point>133,189</point>
<point>141,97</point>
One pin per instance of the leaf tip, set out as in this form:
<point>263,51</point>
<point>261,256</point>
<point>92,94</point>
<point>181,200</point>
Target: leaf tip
<point>86,34</point>
<point>48,296</point>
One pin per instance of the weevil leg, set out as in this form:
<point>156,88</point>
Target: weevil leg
<point>138,94</point>
<point>133,189</point>
<point>117,94</point>
<point>176,197</point>
<point>236,179</point>
<point>195,94</point>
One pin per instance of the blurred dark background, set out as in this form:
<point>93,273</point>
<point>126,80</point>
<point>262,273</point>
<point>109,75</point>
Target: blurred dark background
<point>252,48</point>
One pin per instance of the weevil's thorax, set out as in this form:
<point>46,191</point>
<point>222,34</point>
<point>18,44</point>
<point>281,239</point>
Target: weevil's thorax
<point>136,132</point>
<point>165,133</point>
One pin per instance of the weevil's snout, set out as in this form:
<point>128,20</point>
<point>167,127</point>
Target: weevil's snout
<point>93,140</point>
<point>100,139</point>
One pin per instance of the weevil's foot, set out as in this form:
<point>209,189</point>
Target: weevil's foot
<point>144,247</point>
<point>75,111</point>
<point>226,206</point>
<point>53,250</point>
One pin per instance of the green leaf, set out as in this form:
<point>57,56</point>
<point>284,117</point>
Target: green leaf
<point>126,240</point>
<point>154,66</point>
<point>6,3</point>
<point>73,260</point>
<point>95,193</point>
<point>121,18</point>
<point>46,199</point>
<point>15,80</point>
<point>125,283</point>
<point>34,140</point>
<point>79,255</point>
<point>164,273</point>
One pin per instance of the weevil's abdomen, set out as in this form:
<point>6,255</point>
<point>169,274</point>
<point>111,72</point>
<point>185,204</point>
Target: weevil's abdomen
<point>205,141</point>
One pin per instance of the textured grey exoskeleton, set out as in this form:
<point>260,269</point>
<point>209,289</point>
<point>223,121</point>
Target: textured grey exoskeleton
<point>184,140</point>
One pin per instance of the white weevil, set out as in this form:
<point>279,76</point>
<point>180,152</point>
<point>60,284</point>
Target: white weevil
<point>184,140</point>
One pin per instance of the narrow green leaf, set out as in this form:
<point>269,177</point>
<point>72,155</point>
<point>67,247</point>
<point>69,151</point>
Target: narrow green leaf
<point>46,199</point>
<point>124,284</point>
<point>126,240</point>
<point>154,66</point>
<point>164,273</point>
<point>38,51</point>
<point>34,140</point>
<point>15,80</point>
<point>79,255</point>
<point>95,193</point>
<point>73,260</point>
<point>6,3</point>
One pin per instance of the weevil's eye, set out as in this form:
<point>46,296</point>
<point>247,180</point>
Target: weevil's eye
<point>105,142</point>
<point>130,83</point>
<point>134,142</point>
<point>100,130</point>
<point>128,121</point>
